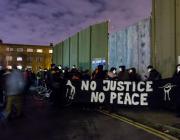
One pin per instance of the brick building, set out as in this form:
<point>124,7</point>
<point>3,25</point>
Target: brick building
<point>25,56</point>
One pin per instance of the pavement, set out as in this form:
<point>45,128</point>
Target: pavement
<point>42,121</point>
<point>163,120</point>
<point>160,119</point>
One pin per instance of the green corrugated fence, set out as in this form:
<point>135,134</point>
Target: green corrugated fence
<point>85,46</point>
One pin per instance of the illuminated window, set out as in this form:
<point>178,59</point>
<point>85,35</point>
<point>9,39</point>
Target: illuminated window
<point>50,51</point>
<point>19,58</point>
<point>11,49</point>
<point>8,58</point>
<point>7,49</point>
<point>39,50</point>
<point>19,67</point>
<point>9,67</point>
<point>29,50</point>
<point>29,67</point>
<point>19,49</point>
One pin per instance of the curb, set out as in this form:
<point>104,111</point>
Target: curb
<point>172,130</point>
<point>136,124</point>
<point>163,128</point>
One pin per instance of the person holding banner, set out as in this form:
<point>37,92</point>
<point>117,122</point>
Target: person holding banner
<point>99,73</point>
<point>153,74</point>
<point>176,76</point>
<point>176,79</point>
<point>133,76</point>
<point>123,75</point>
<point>112,74</point>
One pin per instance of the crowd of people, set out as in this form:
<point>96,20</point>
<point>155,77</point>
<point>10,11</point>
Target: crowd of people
<point>15,83</point>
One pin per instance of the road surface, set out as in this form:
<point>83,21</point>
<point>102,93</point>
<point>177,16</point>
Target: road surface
<point>43,122</point>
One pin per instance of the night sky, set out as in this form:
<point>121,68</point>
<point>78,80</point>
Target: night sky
<point>43,21</point>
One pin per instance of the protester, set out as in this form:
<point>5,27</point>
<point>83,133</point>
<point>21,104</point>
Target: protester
<point>133,76</point>
<point>153,74</point>
<point>29,78</point>
<point>39,77</point>
<point>100,73</point>
<point>176,80</point>
<point>123,75</point>
<point>176,75</point>
<point>86,75</point>
<point>50,76</point>
<point>1,88</point>
<point>112,74</point>
<point>14,88</point>
<point>94,73</point>
<point>53,82</point>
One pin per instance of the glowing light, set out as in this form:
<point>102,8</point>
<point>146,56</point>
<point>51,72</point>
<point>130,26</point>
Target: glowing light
<point>19,58</point>
<point>39,50</point>
<point>19,67</point>
<point>9,67</point>
<point>50,51</point>
<point>29,50</point>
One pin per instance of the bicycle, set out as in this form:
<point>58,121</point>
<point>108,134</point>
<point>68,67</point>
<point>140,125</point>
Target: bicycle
<point>42,91</point>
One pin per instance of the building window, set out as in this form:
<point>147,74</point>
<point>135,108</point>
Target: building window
<point>50,51</point>
<point>39,50</point>
<point>7,49</point>
<point>8,58</point>
<point>39,59</point>
<point>19,49</point>
<point>19,59</point>
<point>9,67</point>
<point>19,67</point>
<point>11,49</point>
<point>29,59</point>
<point>29,67</point>
<point>29,50</point>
